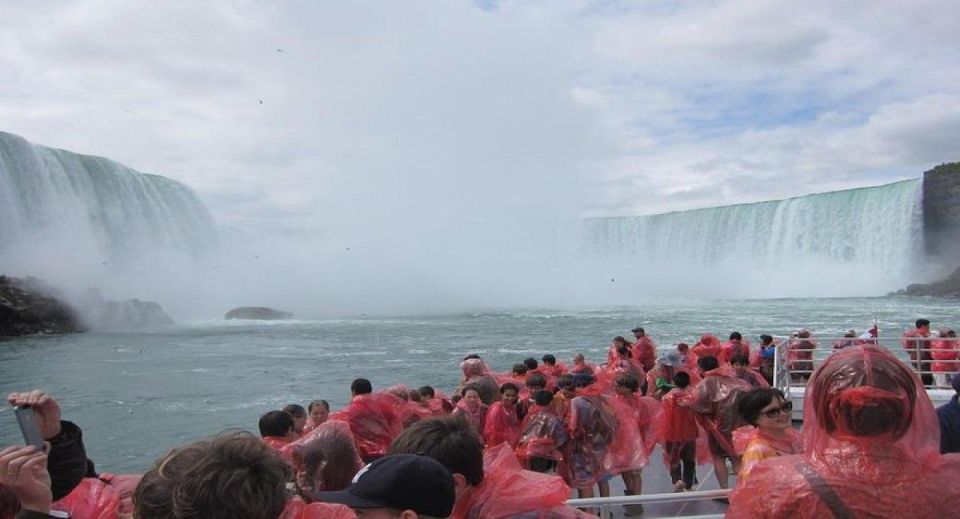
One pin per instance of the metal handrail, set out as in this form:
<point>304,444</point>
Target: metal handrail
<point>643,499</point>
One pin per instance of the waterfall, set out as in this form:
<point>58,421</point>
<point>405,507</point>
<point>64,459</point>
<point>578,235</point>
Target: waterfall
<point>870,239</point>
<point>57,202</point>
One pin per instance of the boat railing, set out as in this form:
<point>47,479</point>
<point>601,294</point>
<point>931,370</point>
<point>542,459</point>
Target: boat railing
<point>607,503</point>
<point>795,360</point>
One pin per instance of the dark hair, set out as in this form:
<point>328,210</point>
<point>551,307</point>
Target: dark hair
<point>621,339</point>
<point>752,402</point>
<point>736,335</point>
<point>681,379</point>
<point>707,363</point>
<point>565,381</point>
<point>922,322</point>
<point>327,462</point>
<point>507,386</point>
<point>231,476</point>
<point>427,392</point>
<point>315,403</point>
<point>449,440</point>
<point>536,380</point>
<point>275,423</point>
<point>543,398</point>
<point>623,351</point>
<point>740,359</point>
<point>629,381</point>
<point>361,386</point>
<point>470,387</point>
<point>471,356</point>
<point>295,410</point>
<point>520,368</point>
<point>766,339</point>
<point>583,379</point>
<point>530,362</point>
<point>549,359</point>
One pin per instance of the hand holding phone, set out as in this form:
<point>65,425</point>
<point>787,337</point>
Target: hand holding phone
<point>28,426</point>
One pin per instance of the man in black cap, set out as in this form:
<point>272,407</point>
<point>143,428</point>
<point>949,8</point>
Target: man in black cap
<point>398,486</point>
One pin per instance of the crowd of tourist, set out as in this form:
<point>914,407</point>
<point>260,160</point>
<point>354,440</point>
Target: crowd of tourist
<point>515,444</point>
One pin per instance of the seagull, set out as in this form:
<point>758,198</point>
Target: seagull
<point>279,50</point>
<point>261,101</point>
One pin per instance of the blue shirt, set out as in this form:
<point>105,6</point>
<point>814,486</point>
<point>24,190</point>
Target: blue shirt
<point>949,415</point>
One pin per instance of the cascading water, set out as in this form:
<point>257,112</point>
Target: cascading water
<point>853,242</point>
<point>57,202</point>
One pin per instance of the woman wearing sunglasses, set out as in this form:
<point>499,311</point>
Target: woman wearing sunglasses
<point>769,412</point>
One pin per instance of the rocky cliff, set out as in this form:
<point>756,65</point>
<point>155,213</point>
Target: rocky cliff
<point>946,287</point>
<point>27,307</point>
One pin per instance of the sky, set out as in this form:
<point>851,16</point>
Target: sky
<point>297,115</point>
<point>436,128</point>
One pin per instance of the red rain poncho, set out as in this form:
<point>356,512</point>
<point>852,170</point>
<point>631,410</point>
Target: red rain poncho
<point>375,420</point>
<point>871,449</point>
<point>677,423</point>
<point>946,356</point>
<point>508,491</point>
<point>501,425</point>
<point>645,352</point>
<point>276,443</point>
<point>715,402</point>
<point>475,417</point>
<point>707,346</point>
<point>337,443</point>
<point>91,499</point>
<point>592,426</point>
<point>635,436</point>
<point>297,509</point>
<point>125,485</point>
<point>542,435</point>
<point>732,348</point>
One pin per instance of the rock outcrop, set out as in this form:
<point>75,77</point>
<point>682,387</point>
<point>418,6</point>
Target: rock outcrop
<point>260,313</point>
<point>27,307</point>
<point>946,287</point>
<point>131,314</point>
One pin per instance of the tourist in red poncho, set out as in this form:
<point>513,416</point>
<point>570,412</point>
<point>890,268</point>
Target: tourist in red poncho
<point>542,435</point>
<point>324,459</point>
<point>276,429</point>
<point>551,367</point>
<point>715,401</point>
<point>591,425</point>
<point>491,484</point>
<point>635,436</point>
<point>678,432</point>
<point>472,410</point>
<point>707,346</point>
<point>437,402</point>
<point>318,411</point>
<point>741,366</point>
<point>917,343</point>
<point>502,423</point>
<point>770,432</point>
<point>871,449</point>
<point>660,378</point>
<point>735,346</point>
<point>644,349</point>
<point>800,356</point>
<point>946,358</point>
<point>374,418</point>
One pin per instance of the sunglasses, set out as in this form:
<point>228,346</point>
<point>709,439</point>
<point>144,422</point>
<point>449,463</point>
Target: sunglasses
<point>786,408</point>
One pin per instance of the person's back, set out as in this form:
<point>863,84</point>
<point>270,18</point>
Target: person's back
<point>948,415</point>
<point>871,449</point>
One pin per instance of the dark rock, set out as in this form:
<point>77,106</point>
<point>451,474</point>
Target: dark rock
<point>946,287</point>
<point>27,306</point>
<point>941,219</point>
<point>260,313</point>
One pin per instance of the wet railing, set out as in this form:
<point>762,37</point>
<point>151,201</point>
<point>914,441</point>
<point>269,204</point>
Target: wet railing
<point>606,505</point>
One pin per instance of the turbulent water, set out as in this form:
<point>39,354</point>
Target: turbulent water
<point>62,202</point>
<point>854,242</point>
<point>136,395</point>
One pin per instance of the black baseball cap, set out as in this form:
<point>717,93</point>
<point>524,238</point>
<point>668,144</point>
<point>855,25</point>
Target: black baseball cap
<point>403,481</point>
<point>638,329</point>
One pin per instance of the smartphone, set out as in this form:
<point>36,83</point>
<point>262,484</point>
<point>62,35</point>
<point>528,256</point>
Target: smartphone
<point>28,426</point>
